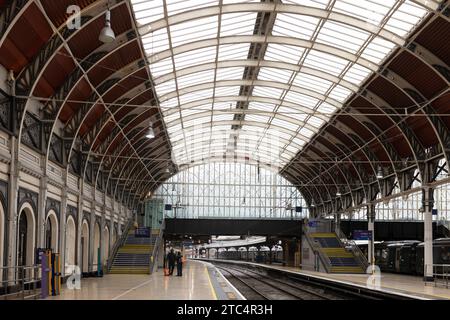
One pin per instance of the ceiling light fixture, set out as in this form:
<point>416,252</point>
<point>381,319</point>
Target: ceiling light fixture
<point>107,34</point>
<point>150,134</point>
<point>380,173</point>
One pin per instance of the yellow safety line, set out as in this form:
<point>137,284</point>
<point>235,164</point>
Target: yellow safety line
<point>210,283</point>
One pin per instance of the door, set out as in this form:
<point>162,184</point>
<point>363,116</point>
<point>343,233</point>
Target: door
<point>48,234</point>
<point>23,226</point>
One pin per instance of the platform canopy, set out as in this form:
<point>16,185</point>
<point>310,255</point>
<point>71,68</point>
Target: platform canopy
<point>344,98</point>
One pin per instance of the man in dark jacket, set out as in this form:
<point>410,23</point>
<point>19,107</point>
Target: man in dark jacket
<point>171,258</point>
<point>179,264</point>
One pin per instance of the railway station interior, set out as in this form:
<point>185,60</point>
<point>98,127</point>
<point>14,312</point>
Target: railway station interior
<point>224,149</point>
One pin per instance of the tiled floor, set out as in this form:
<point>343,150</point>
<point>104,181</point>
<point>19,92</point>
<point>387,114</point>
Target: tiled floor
<point>194,285</point>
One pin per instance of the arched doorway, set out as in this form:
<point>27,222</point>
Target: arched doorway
<point>96,245</point>
<point>106,245</point>
<point>85,246</point>
<point>26,236</point>
<point>70,244</point>
<point>51,231</point>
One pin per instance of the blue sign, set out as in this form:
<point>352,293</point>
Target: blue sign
<point>298,209</point>
<point>434,212</point>
<point>362,235</point>
<point>168,207</point>
<point>142,233</point>
<point>312,224</point>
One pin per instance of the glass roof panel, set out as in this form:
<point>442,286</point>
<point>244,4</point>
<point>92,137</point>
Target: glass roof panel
<point>233,24</point>
<point>194,30</point>
<point>210,65</point>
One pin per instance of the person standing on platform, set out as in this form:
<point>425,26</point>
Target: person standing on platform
<point>179,264</point>
<point>171,258</point>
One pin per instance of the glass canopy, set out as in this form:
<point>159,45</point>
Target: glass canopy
<point>257,79</point>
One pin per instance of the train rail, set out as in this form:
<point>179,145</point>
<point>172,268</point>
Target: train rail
<point>257,282</point>
<point>267,288</point>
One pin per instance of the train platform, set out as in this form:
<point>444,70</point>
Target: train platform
<point>200,281</point>
<point>404,285</point>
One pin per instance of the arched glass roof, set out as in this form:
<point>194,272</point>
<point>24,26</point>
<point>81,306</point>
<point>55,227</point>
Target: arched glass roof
<point>257,79</point>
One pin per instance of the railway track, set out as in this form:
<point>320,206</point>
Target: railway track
<point>255,286</point>
<point>276,285</point>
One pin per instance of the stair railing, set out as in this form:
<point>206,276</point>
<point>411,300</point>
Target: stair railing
<point>316,249</point>
<point>154,254</point>
<point>353,247</point>
<point>119,243</point>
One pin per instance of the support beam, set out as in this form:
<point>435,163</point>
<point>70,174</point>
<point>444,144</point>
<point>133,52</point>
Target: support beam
<point>371,227</point>
<point>427,205</point>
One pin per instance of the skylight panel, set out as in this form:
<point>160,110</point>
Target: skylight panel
<point>405,18</point>
<point>284,53</point>
<point>284,124</point>
<point>189,112</point>
<point>196,78</point>
<point>294,25</point>
<point>261,106</point>
<point>356,74</point>
<point>233,51</point>
<point>315,122</point>
<point>369,10</point>
<point>326,109</point>
<point>306,132</point>
<point>227,91</point>
<point>235,73</point>
<point>267,92</point>
<point>377,50</point>
<point>340,93</point>
<point>194,30</point>
<point>147,11</point>
<point>312,82</point>
<point>274,74</point>
<point>179,6</point>
<point>166,87</point>
<point>195,57</point>
<point>234,24</point>
<point>194,96</point>
<point>174,129</point>
<point>224,105</point>
<point>257,118</point>
<point>156,41</point>
<point>161,67</point>
<point>310,3</point>
<point>222,117</point>
<point>292,113</point>
<point>168,103</point>
<point>342,36</point>
<point>325,62</point>
<point>301,99</point>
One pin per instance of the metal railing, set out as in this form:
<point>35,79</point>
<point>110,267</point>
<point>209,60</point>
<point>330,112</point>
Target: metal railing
<point>118,244</point>
<point>351,245</point>
<point>154,255</point>
<point>24,285</point>
<point>441,273</point>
